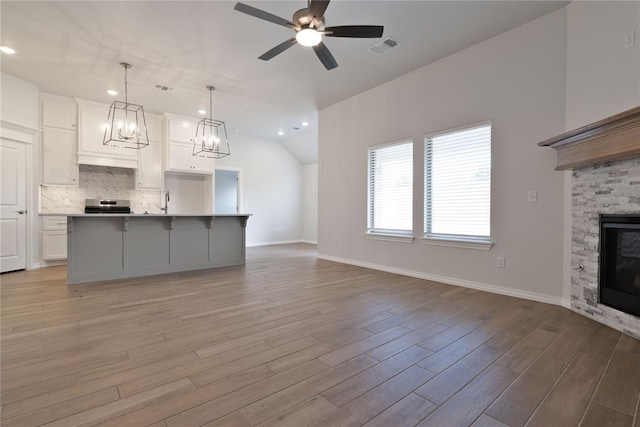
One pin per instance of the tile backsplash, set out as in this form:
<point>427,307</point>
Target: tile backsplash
<point>98,182</point>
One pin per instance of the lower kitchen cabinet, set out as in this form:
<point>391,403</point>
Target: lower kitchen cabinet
<point>53,237</point>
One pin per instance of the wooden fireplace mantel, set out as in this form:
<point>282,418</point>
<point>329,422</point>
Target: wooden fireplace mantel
<point>616,137</point>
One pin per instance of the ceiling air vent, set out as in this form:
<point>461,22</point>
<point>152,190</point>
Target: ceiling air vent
<point>384,46</point>
<point>164,88</point>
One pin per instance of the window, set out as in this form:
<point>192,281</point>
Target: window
<point>390,189</point>
<point>457,184</point>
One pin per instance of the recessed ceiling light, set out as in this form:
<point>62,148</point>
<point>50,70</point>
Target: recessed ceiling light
<point>202,112</point>
<point>305,123</point>
<point>280,133</point>
<point>112,92</point>
<point>8,50</point>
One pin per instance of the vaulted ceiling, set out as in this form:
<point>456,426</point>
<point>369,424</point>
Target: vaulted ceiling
<point>73,48</point>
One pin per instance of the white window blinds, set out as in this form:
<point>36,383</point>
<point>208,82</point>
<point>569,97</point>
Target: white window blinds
<point>390,188</point>
<point>457,182</point>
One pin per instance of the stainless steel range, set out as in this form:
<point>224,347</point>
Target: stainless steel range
<point>106,206</point>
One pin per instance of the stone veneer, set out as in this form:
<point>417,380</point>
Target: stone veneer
<point>99,182</point>
<point>607,188</point>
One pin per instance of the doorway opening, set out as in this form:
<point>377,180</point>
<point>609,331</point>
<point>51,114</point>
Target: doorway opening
<point>228,190</point>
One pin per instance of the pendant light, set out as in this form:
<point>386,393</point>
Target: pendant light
<point>126,125</point>
<point>211,135</point>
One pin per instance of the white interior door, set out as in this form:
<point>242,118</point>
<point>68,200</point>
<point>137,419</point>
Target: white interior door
<point>226,192</point>
<point>13,224</point>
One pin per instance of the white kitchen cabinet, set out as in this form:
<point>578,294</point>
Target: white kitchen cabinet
<point>150,172</point>
<point>181,159</point>
<point>54,237</point>
<point>92,118</point>
<point>59,136</point>
<point>154,127</point>
<point>149,175</point>
<point>179,147</point>
<point>181,129</point>
<point>59,165</point>
<point>58,111</point>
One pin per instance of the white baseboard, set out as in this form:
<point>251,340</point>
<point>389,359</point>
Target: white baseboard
<point>279,242</point>
<point>450,281</point>
<point>311,242</point>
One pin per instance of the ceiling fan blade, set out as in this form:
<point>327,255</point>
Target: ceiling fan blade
<point>278,49</point>
<point>317,7</point>
<point>261,14</point>
<point>359,31</point>
<point>325,56</point>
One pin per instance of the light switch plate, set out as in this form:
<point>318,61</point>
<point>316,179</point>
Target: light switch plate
<point>532,196</point>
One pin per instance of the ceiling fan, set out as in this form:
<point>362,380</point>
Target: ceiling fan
<point>309,26</point>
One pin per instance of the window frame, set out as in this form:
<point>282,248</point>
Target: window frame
<point>454,240</point>
<point>393,235</point>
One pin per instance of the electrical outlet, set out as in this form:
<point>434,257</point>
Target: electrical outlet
<point>500,262</point>
<point>629,39</point>
<point>532,196</point>
<point>145,204</point>
<point>67,202</point>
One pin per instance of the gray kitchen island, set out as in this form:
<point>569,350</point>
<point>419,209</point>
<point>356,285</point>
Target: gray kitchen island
<point>116,246</point>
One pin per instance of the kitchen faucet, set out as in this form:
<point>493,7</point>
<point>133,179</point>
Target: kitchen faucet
<point>166,203</point>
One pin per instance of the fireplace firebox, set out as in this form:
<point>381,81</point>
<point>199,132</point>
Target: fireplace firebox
<point>620,262</point>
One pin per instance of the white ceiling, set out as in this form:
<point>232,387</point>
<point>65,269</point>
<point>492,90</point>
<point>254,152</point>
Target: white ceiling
<point>74,48</point>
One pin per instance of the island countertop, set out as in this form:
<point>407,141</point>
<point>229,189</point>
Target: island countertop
<point>116,246</point>
<point>144,215</point>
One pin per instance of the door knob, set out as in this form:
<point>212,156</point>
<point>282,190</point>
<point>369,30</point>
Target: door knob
<point>21,212</point>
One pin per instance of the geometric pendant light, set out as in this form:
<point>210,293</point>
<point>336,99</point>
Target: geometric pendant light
<point>211,139</point>
<point>126,125</point>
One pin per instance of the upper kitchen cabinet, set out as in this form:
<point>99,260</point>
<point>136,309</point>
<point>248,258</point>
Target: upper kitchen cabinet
<point>59,165</point>
<point>59,148</point>
<point>179,147</point>
<point>58,111</point>
<point>149,175</point>
<point>92,118</point>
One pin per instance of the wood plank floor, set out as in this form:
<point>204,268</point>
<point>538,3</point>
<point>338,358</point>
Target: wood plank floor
<point>288,340</point>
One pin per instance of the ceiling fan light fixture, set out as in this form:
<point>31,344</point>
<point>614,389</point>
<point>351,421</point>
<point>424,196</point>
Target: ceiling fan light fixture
<point>308,37</point>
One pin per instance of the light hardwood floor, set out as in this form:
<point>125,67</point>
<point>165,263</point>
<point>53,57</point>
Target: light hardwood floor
<point>288,340</point>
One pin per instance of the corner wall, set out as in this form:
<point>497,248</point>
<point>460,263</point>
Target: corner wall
<point>272,189</point>
<point>517,80</point>
<point>310,203</point>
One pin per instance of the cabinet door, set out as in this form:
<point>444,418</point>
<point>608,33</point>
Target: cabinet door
<point>154,127</point>
<point>93,151</point>
<point>59,157</point>
<point>54,245</point>
<point>59,112</point>
<point>180,157</point>
<point>181,130</point>
<point>204,164</point>
<point>149,174</point>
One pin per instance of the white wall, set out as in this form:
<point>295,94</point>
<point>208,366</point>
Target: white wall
<point>603,78</point>
<point>19,103</point>
<point>272,181</point>
<point>186,193</point>
<point>517,80</point>
<point>19,106</point>
<point>310,203</point>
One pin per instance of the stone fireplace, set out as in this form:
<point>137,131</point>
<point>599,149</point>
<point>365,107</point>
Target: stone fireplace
<point>605,159</point>
<point>619,284</point>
